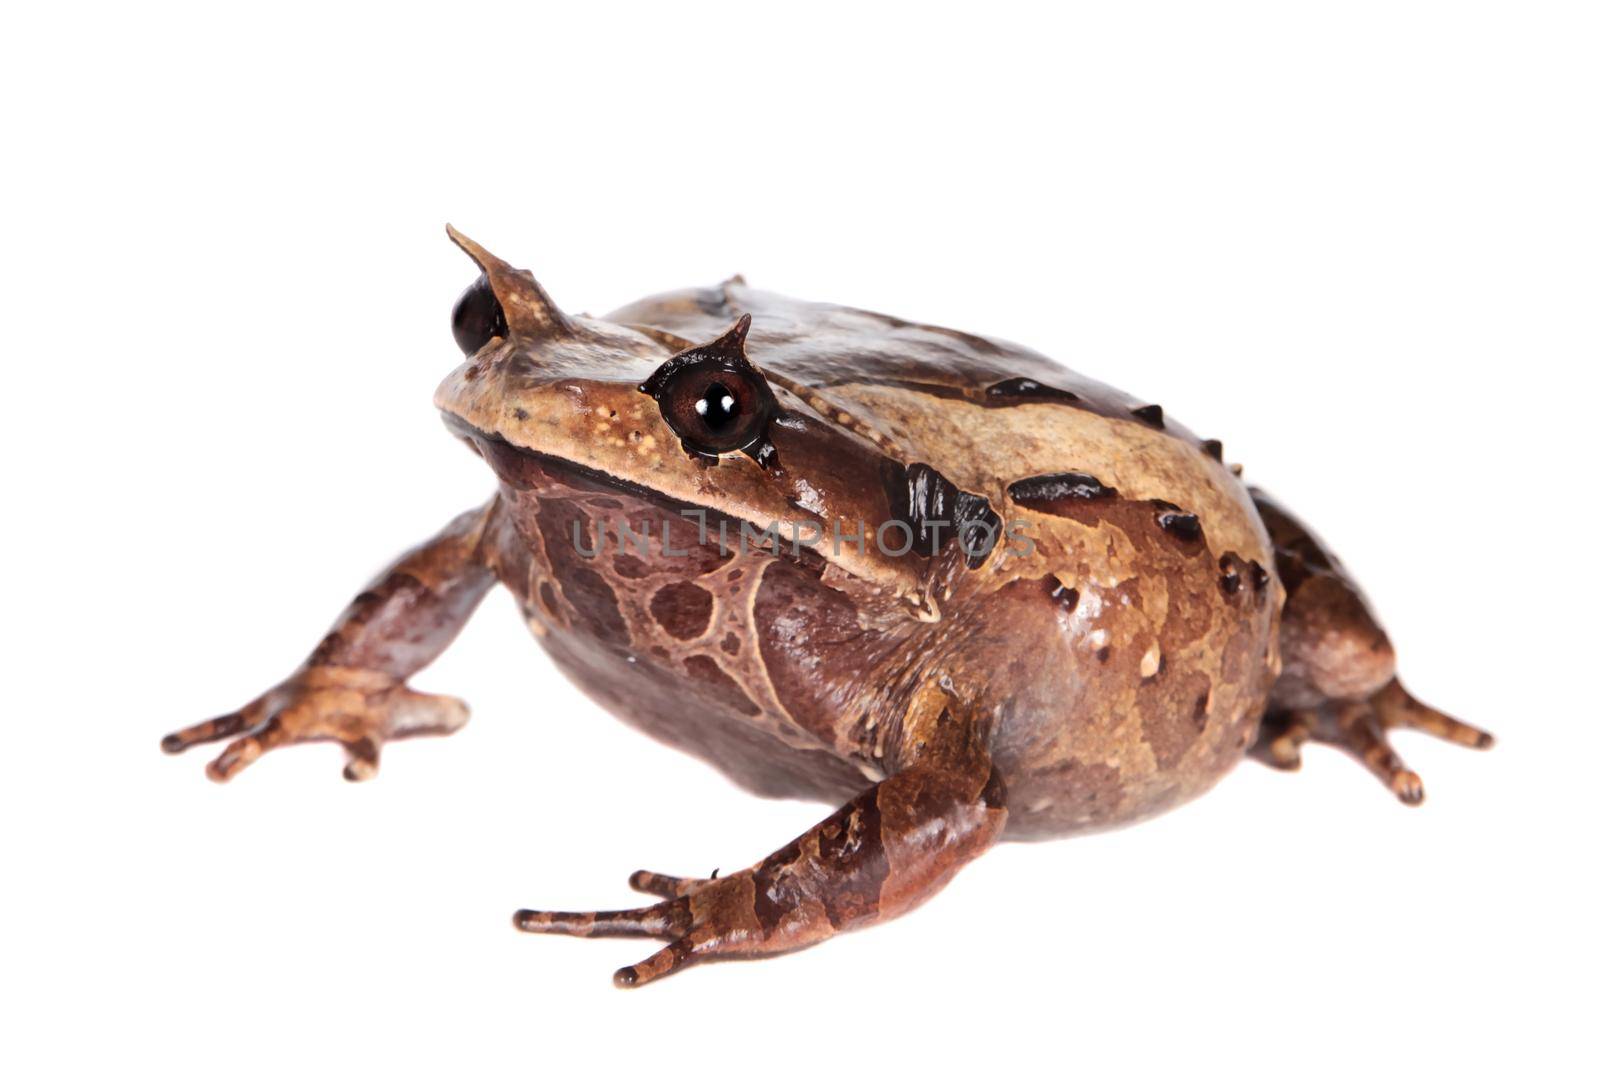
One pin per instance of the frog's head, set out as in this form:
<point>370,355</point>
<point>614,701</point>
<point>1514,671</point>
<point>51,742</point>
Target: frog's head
<point>693,423</point>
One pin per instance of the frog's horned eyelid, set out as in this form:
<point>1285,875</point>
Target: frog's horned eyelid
<point>731,343</point>
<point>728,345</point>
<point>528,309</point>
<point>723,354</point>
<point>480,255</point>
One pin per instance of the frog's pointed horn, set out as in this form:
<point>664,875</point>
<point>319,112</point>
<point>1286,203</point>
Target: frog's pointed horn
<point>529,311</point>
<point>732,341</point>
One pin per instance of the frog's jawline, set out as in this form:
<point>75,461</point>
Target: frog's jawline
<point>559,465</point>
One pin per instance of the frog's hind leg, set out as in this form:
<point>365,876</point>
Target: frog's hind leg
<point>1338,684</point>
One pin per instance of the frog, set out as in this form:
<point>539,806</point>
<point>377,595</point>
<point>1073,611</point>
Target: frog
<point>936,580</point>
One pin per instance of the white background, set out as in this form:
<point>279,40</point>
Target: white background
<point>1357,241</point>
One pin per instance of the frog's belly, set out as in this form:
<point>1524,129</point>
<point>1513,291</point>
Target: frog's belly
<point>707,721</point>
<point>661,635</point>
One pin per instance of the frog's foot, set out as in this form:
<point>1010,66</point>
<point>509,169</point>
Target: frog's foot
<point>1282,734</point>
<point>706,919</point>
<point>672,919</point>
<point>1360,727</point>
<point>360,709</point>
<point>880,855</point>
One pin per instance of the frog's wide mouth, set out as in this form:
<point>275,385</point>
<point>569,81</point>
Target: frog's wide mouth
<point>511,461</point>
<point>528,468</point>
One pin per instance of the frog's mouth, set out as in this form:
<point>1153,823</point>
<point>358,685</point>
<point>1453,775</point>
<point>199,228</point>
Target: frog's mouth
<point>529,468</point>
<point>542,472</point>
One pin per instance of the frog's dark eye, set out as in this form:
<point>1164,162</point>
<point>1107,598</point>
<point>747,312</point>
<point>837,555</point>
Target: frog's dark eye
<point>715,408</point>
<point>714,399</point>
<point>477,317</point>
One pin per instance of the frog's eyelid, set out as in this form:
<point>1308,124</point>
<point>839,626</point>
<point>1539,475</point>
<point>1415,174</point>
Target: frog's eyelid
<point>728,346</point>
<point>726,351</point>
<point>528,309</point>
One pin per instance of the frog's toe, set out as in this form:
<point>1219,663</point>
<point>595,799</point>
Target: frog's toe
<point>658,965</point>
<point>1396,707</point>
<point>670,918</point>
<point>1281,737</point>
<point>218,729</point>
<point>1358,729</point>
<point>363,761</point>
<point>696,926</point>
<point>665,885</point>
<point>1407,785</point>
<point>244,751</point>
<point>409,713</point>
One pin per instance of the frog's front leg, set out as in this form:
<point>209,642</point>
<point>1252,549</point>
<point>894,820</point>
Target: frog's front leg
<point>880,855</point>
<point>351,689</point>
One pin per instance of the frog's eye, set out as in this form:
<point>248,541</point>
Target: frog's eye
<point>477,317</point>
<point>715,409</point>
<point>714,399</point>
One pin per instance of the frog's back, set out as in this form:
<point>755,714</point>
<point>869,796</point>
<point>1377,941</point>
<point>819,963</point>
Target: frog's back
<point>985,413</point>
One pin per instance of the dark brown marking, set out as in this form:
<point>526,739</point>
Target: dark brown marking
<point>1065,597</point>
<point>1229,564</point>
<point>629,565</point>
<point>1151,414</point>
<point>1026,391</point>
<point>594,604</point>
<point>704,669</point>
<point>1049,492</point>
<point>938,513</point>
<point>683,609</point>
<point>994,790</point>
<point>1183,525</point>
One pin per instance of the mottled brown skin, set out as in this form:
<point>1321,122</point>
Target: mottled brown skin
<point>1081,619</point>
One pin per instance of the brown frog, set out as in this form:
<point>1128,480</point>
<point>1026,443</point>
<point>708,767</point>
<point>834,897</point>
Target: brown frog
<point>935,578</point>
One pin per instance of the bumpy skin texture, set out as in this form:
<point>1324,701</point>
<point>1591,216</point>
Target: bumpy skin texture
<point>1099,642</point>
